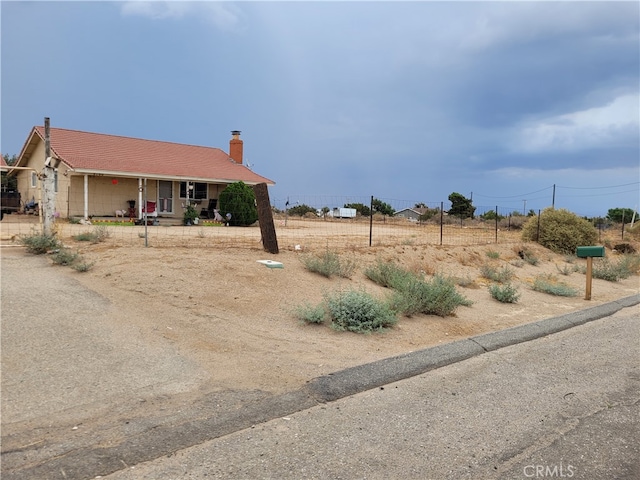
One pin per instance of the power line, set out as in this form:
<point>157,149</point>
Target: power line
<point>515,196</point>
<point>595,188</point>
<point>598,194</point>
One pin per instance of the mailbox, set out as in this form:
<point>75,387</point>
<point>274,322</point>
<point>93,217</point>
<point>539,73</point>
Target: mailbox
<point>584,252</point>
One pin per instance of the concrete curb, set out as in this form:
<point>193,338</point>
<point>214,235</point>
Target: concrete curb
<point>365,377</point>
<point>94,460</point>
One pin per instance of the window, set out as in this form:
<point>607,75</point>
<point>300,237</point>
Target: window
<point>199,191</point>
<point>55,181</point>
<point>34,179</point>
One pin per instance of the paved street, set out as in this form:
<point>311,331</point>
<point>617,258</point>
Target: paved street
<point>562,406</point>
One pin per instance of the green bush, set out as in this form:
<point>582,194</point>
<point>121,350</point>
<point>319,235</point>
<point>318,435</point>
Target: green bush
<point>239,200</point>
<point>560,231</point>
<point>329,264</point>
<point>493,254</point>
<point>614,271</point>
<point>99,234</point>
<point>309,313</point>
<point>39,243</point>
<point>504,293</point>
<point>358,311</point>
<point>436,297</point>
<point>301,210</point>
<point>550,284</point>
<point>566,269</point>
<point>388,274</point>
<point>64,256</point>
<point>502,275</point>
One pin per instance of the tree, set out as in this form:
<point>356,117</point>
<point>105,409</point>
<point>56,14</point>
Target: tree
<point>381,207</point>
<point>420,205</point>
<point>361,208</point>
<point>9,182</point>
<point>491,215</point>
<point>461,206</point>
<point>617,214</point>
<point>325,210</point>
<point>428,213</point>
<point>239,200</point>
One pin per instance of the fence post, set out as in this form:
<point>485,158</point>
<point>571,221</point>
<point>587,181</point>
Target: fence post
<point>371,221</point>
<point>441,219</point>
<point>496,224</point>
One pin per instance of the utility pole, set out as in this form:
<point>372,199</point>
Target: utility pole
<point>524,208</point>
<point>48,207</point>
<point>553,200</point>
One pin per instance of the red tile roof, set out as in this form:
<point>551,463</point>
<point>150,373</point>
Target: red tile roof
<point>115,155</point>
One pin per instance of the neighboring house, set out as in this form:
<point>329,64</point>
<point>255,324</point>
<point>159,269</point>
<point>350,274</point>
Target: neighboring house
<point>412,214</point>
<point>100,173</point>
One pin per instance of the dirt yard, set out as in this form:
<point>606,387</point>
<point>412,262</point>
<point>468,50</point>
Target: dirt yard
<point>234,316</point>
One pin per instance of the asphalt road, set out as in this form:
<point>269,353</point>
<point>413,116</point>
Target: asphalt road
<point>562,406</point>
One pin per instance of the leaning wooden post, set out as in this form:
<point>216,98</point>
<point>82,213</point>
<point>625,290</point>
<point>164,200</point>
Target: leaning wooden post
<point>265,218</point>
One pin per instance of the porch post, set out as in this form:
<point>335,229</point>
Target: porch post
<point>140,189</point>
<point>86,197</point>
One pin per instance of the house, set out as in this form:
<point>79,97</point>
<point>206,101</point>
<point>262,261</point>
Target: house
<point>99,173</point>
<point>412,214</point>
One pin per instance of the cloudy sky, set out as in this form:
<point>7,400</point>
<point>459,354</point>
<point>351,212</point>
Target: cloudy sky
<point>406,101</point>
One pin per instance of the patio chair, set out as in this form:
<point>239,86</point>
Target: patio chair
<point>151,214</point>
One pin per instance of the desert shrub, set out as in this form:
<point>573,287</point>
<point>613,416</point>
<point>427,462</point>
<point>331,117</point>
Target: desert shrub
<point>465,282</point>
<point>239,200</point>
<point>566,269</point>
<point>82,266</point>
<point>39,243</point>
<point>436,297</point>
<point>550,284</point>
<point>99,234</point>
<point>527,255</point>
<point>493,254</point>
<point>358,311</point>
<point>504,293</point>
<point>502,275</point>
<point>329,264</point>
<point>64,256</point>
<point>308,313</point>
<point>388,274</point>
<point>560,231</point>
<point>614,271</point>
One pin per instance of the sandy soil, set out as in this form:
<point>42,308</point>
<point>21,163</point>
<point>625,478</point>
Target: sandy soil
<point>233,316</point>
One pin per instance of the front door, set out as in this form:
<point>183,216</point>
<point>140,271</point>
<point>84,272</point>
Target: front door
<point>165,196</point>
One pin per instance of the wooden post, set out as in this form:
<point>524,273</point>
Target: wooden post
<point>587,295</point>
<point>265,218</point>
<point>47,208</point>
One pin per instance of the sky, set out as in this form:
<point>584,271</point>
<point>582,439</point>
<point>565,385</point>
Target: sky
<point>504,102</point>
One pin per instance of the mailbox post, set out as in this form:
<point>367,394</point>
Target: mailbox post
<point>589,253</point>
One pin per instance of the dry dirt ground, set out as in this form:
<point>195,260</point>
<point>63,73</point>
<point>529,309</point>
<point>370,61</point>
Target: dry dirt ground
<point>234,317</point>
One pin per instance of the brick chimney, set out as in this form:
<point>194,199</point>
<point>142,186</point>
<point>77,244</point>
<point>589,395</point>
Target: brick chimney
<point>235,146</point>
